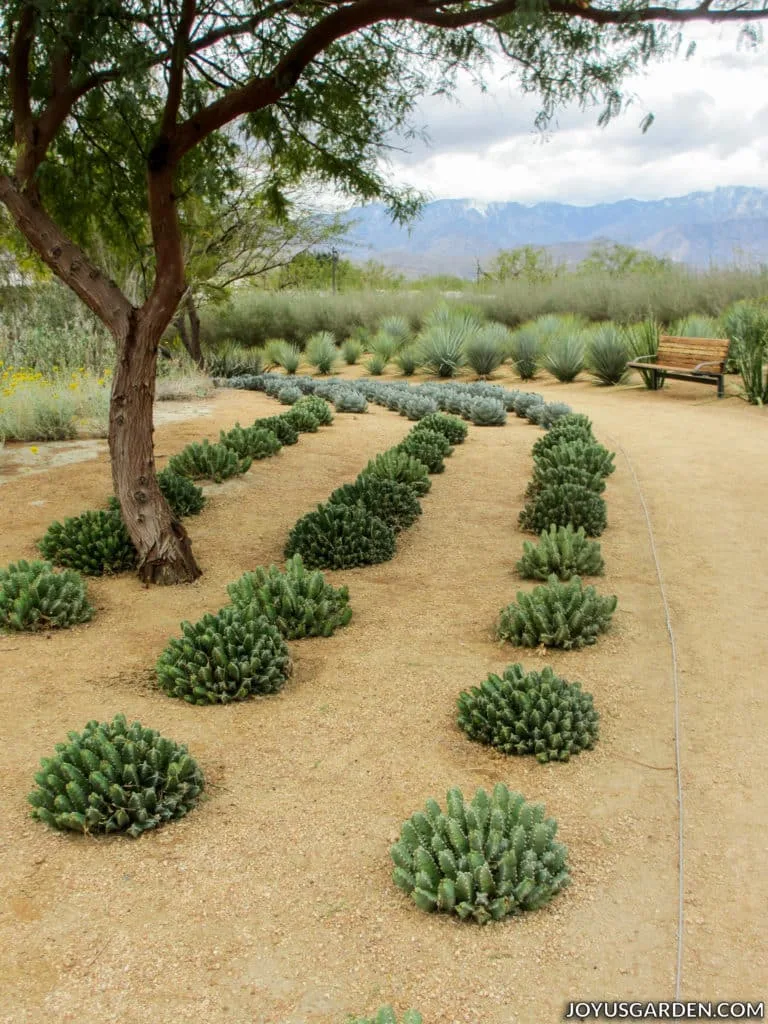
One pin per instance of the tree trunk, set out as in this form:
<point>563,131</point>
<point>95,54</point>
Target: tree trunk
<point>165,552</point>
<point>190,336</point>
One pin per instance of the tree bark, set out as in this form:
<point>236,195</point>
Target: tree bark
<point>165,552</point>
<point>190,335</point>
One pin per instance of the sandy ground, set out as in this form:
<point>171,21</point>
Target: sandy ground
<point>272,902</point>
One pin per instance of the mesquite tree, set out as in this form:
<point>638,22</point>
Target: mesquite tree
<point>317,84</point>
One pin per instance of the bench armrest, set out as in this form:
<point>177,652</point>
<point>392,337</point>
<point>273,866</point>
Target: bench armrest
<point>649,355</point>
<point>712,362</point>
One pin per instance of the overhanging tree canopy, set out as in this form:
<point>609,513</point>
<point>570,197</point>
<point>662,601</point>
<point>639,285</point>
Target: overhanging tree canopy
<point>318,84</point>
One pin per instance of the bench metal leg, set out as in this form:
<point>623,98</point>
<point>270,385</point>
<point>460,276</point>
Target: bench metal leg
<point>721,386</point>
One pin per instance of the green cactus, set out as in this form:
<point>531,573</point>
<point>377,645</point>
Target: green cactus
<point>483,860</point>
<point>302,419</point>
<point>573,427</point>
<point>530,713</point>
<point>556,614</point>
<point>184,497</point>
<point>299,603</point>
<point>341,537</point>
<point>282,428</point>
<point>33,596</point>
<point>391,500</point>
<point>250,442</point>
<point>564,504</point>
<point>115,777</point>
<point>561,551</point>
<point>486,412</point>
<point>547,475</point>
<point>206,461</point>
<point>590,456</point>
<point>386,1015</point>
<point>230,656</point>
<point>93,543</point>
<point>451,427</point>
<point>319,408</point>
<point>429,447</point>
<point>395,464</point>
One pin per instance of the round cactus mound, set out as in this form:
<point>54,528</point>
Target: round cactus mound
<point>115,777</point>
<point>395,464</point>
<point>486,859</point>
<point>93,543</point>
<point>555,614</point>
<point>391,500</point>
<point>341,537</point>
<point>33,596</point>
<point>452,428</point>
<point>428,446</point>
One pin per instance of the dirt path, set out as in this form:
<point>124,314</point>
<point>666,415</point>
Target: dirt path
<point>272,902</point>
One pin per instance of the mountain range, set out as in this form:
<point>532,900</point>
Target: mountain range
<point>724,227</point>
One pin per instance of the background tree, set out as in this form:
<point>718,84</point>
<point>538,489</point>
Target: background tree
<point>527,262</point>
<point>616,259</point>
<point>319,84</point>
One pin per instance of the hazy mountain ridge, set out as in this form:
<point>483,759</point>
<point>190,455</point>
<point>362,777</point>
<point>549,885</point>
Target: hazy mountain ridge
<point>725,226</point>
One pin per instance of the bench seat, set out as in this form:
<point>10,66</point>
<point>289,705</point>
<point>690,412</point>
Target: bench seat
<point>698,359</point>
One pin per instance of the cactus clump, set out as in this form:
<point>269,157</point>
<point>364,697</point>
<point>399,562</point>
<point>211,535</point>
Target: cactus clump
<point>115,777</point>
<point>486,412</point>
<point>561,551</point>
<point>564,504</point>
<point>392,501</point>
<point>590,456</point>
<point>555,614</point>
<point>299,603</point>
<point>396,464</point>
<point>484,859</point>
<point>206,461</point>
<point>548,475</point>
<point>33,596</point>
<point>452,428</point>
<point>281,427</point>
<point>184,497</point>
<point>429,447</point>
<point>530,713</point>
<point>302,419</point>
<point>289,394</point>
<point>320,409</point>
<point>341,537</point>
<point>93,543</point>
<point>251,442</point>
<point>573,427</point>
<point>349,400</point>
<point>233,655</point>
<point>386,1015</point>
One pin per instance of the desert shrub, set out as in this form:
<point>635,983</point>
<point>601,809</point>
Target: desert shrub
<point>589,455</point>
<point>302,419</point>
<point>376,365</point>
<point>418,406</point>
<point>53,408</point>
<point>386,1015</point>
<point>182,495</point>
<point>233,655</point>
<point>441,347</point>
<point>93,543</point>
<point>643,341</point>
<point>351,350</point>
<point>564,357</point>
<point>115,777</point>
<point>288,394</point>
<point>398,328</point>
<point>285,355</point>
<point>407,360</point>
<point>206,461</point>
<point>548,413</point>
<point>525,353</point>
<point>341,537</point>
<point>486,412</point>
<point>573,427</point>
<point>428,446</point>
<point>563,552</point>
<point>319,408</point>
<point>564,504</point>
<point>392,501</point>
<point>33,596</point>
<point>396,464</point>
<point>298,602</point>
<point>695,325</point>
<point>384,346</point>
<point>229,359</point>
<point>349,400</point>
<point>282,428</point>
<point>451,427</point>
<point>321,352</point>
<point>484,859</point>
<point>250,442</point>
<point>608,354</point>
<point>487,348</point>
<point>748,331</point>
<point>524,402</point>
<point>523,712</point>
<point>556,614</point>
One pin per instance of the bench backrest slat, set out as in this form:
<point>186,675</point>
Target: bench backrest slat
<point>689,352</point>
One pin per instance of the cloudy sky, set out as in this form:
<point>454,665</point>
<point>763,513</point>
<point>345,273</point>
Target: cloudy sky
<point>710,129</point>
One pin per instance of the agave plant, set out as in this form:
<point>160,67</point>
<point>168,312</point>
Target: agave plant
<point>564,357</point>
<point>608,354</point>
<point>321,352</point>
<point>442,347</point>
<point>487,348</point>
<point>525,352</point>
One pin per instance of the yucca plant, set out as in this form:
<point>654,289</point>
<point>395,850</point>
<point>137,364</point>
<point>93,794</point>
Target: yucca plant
<point>395,464</point>
<point>563,552</point>
<point>341,537</point>
<point>229,359</point>
<point>485,859</point>
<point>398,328</point>
<point>608,354</point>
<point>451,427</point>
<point>384,346</point>
<point>250,442</point>
<point>428,446</point>
<point>226,657</point>
<point>525,353</point>
<point>349,400</point>
<point>407,360</point>
<point>555,614</point>
<point>376,365</point>
<point>206,461</point>
<point>392,501</point>
<point>486,412</point>
<point>287,356</point>
<point>696,325</point>
<point>297,601</point>
<point>535,713</point>
<point>33,596</point>
<point>749,341</point>
<point>351,350</point>
<point>386,1015</point>
<point>93,543</point>
<point>643,342</point>
<point>114,777</point>
<point>565,504</point>
<point>442,347</point>
<point>321,352</point>
<point>487,348</point>
<point>564,357</point>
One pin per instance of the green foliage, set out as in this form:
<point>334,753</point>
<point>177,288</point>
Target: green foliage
<point>376,365</point>
<point>565,504</point>
<point>487,412</point>
<point>93,543</point>
<point>321,352</point>
<point>398,328</point>
<point>487,348</point>
<point>206,461</point>
<point>442,345</point>
<point>418,406</point>
<point>282,428</point>
<point>548,475</point>
<point>351,350</point>
<point>33,596</point>
<point>250,443</point>
<point>287,356</point>
<point>384,346</point>
<point>573,427</point>
<point>407,359</point>
<point>643,341</point>
<point>484,859</point>
<point>588,455</point>
<point>181,494</point>
<point>396,464</point>
<point>525,352</point>
<point>319,408</point>
<point>564,357</point>
<point>393,501</point>
<point>556,614</point>
<point>563,552</point>
<point>299,603</point>
<point>748,327</point>
<point>114,777</point>
<point>451,427</point>
<point>608,354</point>
<point>523,712</point>
<point>526,263</point>
<point>341,537</point>
<point>302,418</point>
<point>235,654</point>
<point>228,359</point>
<point>386,1015</point>
<point>349,400</point>
<point>620,260</point>
<point>289,394</point>
<point>428,446</point>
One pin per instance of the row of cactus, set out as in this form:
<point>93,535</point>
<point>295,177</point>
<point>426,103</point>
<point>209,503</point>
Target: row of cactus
<point>33,596</point>
<point>556,614</point>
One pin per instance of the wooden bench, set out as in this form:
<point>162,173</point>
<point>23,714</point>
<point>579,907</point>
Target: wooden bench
<point>699,359</point>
